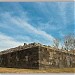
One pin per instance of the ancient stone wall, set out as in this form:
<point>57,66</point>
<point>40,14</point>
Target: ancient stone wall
<point>49,58</point>
<point>27,58</point>
<point>36,56</point>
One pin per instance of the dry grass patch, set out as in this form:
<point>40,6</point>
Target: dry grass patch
<point>16,70</point>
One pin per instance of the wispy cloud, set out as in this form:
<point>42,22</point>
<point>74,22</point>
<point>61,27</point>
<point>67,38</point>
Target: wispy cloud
<point>24,22</point>
<point>26,27</point>
<point>7,42</point>
<point>32,29</point>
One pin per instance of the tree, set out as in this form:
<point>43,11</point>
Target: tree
<point>56,43</point>
<point>74,43</point>
<point>69,42</point>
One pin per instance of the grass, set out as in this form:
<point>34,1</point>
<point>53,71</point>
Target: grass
<point>16,70</point>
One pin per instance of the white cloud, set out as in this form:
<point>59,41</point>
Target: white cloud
<point>28,27</point>
<point>7,42</point>
<point>54,21</point>
<point>21,21</point>
<point>62,10</point>
<point>34,30</point>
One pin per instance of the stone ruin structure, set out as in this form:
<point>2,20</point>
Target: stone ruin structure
<point>36,56</point>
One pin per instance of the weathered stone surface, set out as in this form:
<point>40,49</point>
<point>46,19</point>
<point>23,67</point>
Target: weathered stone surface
<point>50,58</point>
<point>36,56</point>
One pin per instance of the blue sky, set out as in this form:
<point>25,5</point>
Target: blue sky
<point>34,22</point>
